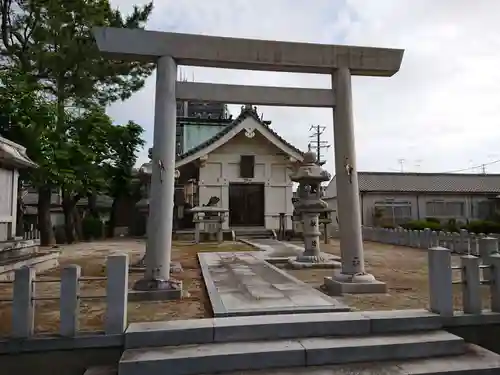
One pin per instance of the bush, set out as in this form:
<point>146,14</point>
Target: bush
<point>92,228</point>
<point>433,220</point>
<point>483,226</point>
<point>421,225</point>
<point>452,226</point>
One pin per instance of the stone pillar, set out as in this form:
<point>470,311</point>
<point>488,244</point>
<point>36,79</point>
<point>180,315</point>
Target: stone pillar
<point>349,207</point>
<point>327,235</point>
<point>161,207</point>
<point>352,278</point>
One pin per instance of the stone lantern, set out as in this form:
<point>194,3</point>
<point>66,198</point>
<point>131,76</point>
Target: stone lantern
<point>309,207</point>
<point>209,219</point>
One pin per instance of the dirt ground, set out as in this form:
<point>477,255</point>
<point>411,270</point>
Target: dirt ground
<point>92,257</point>
<point>403,269</point>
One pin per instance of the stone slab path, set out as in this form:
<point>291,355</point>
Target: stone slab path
<point>274,249</point>
<point>243,283</point>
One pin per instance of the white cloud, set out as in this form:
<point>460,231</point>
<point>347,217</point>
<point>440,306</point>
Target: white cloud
<point>442,108</point>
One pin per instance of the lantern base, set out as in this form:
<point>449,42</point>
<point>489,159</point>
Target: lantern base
<point>341,283</point>
<point>322,260</point>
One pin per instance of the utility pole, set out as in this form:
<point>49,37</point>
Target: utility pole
<point>401,162</point>
<point>316,143</point>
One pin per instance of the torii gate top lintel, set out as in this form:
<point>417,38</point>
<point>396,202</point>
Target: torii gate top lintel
<point>250,54</point>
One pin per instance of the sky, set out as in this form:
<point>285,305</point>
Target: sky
<point>439,113</point>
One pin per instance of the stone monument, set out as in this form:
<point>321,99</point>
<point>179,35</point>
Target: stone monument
<point>309,207</point>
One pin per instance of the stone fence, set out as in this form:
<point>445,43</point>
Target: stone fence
<point>24,297</point>
<point>461,243</point>
<point>474,272</point>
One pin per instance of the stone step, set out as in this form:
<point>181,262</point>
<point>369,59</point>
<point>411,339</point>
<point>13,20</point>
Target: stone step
<point>275,327</point>
<point>260,355</point>
<point>476,361</point>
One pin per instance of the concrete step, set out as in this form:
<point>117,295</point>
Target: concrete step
<point>475,361</point>
<point>260,355</point>
<point>257,233</point>
<point>275,327</point>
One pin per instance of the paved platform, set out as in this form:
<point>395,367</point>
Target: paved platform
<point>278,251</point>
<point>243,284</point>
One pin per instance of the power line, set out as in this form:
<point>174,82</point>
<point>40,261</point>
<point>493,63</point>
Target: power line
<point>482,166</point>
<point>317,143</point>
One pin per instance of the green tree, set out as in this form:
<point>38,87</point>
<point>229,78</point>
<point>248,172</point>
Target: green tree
<point>82,163</point>
<point>51,43</point>
<point>28,118</point>
<point>124,141</point>
<point>52,40</point>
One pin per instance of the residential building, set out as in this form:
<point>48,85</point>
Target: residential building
<point>395,198</point>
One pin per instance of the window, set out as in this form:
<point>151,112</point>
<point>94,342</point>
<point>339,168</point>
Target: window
<point>390,212</point>
<point>247,164</point>
<point>445,209</point>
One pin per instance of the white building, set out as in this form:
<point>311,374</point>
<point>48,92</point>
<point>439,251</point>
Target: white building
<point>12,158</point>
<point>247,166</point>
<point>395,198</point>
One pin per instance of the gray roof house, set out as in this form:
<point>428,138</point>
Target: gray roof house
<point>400,197</point>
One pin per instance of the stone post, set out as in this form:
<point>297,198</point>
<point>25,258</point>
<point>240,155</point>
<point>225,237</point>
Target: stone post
<point>198,222</point>
<point>69,303</point>
<point>495,282</point>
<point>23,305</point>
<point>465,247</point>
<point>406,237</point>
<point>440,281</point>
<point>434,241</point>
<point>427,239</point>
<point>116,294</point>
<point>161,206</point>
<point>220,231</point>
<point>441,239</point>
<point>471,284</point>
<point>327,235</point>
<point>348,201</point>
<point>487,246</point>
<point>455,239</point>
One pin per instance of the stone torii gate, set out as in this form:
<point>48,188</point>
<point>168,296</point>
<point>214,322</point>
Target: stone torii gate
<point>340,62</point>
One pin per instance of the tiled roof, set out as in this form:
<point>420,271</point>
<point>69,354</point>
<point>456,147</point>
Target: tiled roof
<point>246,111</point>
<point>424,182</point>
<point>102,201</point>
<point>14,155</point>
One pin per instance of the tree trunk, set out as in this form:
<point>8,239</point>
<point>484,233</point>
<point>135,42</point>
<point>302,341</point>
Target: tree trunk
<point>47,237</point>
<point>92,205</point>
<point>112,217</point>
<point>69,227</point>
<point>77,221</point>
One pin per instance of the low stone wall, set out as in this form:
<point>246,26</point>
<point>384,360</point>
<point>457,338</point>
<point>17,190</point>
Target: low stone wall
<point>14,249</point>
<point>70,356</point>
<point>40,262</point>
<point>460,243</point>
